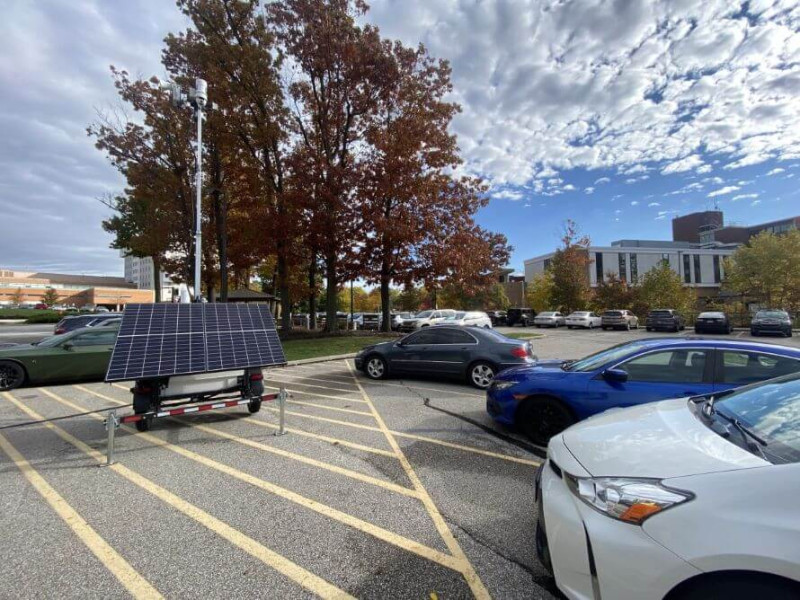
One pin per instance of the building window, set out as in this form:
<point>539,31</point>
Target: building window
<point>717,274</point>
<point>698,278</point>
<point>598,266</point>
<point>623,272</point>
<point>634,268</point>
<point>687,270</point>
<point>546,264</point>
<point>665,258</point>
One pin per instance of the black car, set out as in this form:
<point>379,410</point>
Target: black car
<point>70,323</point>
<point>771,321</point>
<point>523,316</point>
<point>498,317</point>
<point>476,354</point>
<point>666,319</point>
<point>712,322</point>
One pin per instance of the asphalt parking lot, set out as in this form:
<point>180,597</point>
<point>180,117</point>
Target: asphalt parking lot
<point>394,489</point>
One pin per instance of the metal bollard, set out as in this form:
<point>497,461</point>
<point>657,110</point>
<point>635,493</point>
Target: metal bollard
<point>281,410</point>
<point>111,427</point>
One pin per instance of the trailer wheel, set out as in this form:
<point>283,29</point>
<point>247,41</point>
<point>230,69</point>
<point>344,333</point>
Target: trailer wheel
<point>142,403</point>
<point>143,425</point>
<point>254,405</point>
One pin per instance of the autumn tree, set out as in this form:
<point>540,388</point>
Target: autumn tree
<point>411,298</point>
<point>767,270</point>
<point>661,287</point>
<point>539,294</point>
<point>612,293</point>
<point>50,297</point>
<point>570,270</point>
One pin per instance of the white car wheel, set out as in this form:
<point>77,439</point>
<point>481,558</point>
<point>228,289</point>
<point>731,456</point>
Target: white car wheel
<point>376,367</point>
<point>481,375</point>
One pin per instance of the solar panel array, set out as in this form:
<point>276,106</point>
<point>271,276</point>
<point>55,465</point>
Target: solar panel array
<point>159,340</point>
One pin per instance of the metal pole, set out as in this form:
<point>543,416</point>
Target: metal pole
<point>352,322</point>
<point>281,411</point>
<point>198,235</point>
<point>111,427</point>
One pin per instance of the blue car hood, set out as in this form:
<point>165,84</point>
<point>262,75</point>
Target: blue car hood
<point>550,369</point>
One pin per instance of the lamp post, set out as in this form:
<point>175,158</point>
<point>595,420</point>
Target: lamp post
<point>197,99</point>
<point>352,322</point>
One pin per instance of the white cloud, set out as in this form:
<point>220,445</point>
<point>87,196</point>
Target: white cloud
<point>704,169</point>
<point>684,164</point>
<point>722,191</point>
<point>635,203</point>
<point>602,180</point>
<point>651,204</point>
<point>589,190</point>
<point>755,203</point>
<point>744,197</point>
<point>776,170</point>
<point>508,195</point>
<point>714,180</point>
<point>568,188</point>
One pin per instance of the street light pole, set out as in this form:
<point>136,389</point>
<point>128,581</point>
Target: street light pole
<point>352,322</point>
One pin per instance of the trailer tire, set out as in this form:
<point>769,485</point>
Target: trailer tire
<point>254,405</point>
<point>143,425</point>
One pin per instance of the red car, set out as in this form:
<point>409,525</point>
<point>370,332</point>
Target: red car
<point>41,306</point>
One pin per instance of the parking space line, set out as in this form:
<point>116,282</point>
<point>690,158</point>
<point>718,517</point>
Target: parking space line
<point>136,585</point>
<point>270,558</point>
<point>322,387</point>
<point>316,395</point>
<point>419,387</point>
<point>380,533</point>
<point>299,378</point>
<point>387,485</point>
<point>467,570</point>
<point>326,407</point>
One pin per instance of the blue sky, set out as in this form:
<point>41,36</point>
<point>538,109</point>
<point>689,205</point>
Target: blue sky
<point>669,104</point>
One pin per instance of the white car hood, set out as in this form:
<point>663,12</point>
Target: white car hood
<point>658,439</point>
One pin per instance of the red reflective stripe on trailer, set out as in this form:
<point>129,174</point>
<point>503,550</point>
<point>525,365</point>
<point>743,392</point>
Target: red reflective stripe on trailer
<point>130,418</point>
<point>205,407</point>
<point>268,397</point>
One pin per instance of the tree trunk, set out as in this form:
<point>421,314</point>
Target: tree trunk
<point>312,290</point>
<point>157,278</point>
<point>386,324</point>
<point>331,299</point>
<point>221,221</point>
<point>283,289</point>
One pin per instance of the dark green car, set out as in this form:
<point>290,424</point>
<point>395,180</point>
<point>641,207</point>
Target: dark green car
<point>79,355</point>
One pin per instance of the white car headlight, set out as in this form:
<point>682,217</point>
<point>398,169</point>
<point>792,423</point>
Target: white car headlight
<point>629,500</point>
<point>503,385</point>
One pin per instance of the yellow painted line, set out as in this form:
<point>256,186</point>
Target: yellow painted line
<point>270,558</point>
<point>430,389</point>
<point>322,387</point>
<point>299,378</point>
<point>137,585</point>
<point>323,509</point>
<point>326,407</point>
<point>387,485</point>
<point>316,395</point>
<point>467,570</point>
<point>421,438</point>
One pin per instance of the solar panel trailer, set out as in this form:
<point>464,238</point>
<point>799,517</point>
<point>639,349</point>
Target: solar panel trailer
<point>194,352</point>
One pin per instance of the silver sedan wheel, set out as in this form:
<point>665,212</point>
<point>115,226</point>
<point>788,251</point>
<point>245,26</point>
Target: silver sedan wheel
<point>482,375</point>
<point>375,368</point>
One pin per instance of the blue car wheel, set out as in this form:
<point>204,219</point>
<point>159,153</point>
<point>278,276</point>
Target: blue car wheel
<point>541,418</point>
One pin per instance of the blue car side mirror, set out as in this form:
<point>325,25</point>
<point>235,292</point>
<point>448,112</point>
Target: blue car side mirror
<point>617,375</point>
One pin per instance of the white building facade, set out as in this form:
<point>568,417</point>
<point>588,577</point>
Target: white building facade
<point>697,267</point>
<point>141,272</point>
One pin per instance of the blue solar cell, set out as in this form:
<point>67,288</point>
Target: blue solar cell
<point>159,340</point>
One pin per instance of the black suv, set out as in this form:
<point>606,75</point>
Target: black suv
<point>498,317</point>
<point>771,321</point>
<point>523,316</point>
<point>666,319</point>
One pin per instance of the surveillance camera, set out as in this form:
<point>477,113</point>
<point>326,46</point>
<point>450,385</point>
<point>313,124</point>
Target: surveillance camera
<point>201,91</point>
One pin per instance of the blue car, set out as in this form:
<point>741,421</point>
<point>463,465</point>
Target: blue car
<point>549,396</point>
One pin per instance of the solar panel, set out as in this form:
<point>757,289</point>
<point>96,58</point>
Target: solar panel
<point>159,340</point>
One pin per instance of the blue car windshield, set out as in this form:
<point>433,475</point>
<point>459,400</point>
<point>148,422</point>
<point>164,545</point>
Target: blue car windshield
<point>772,411</point>
<point>594,361</point>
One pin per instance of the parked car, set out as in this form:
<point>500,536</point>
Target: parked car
<point>76,322</point>
<point>666,319</point>
<point>712,322</point>
<point>619,319</point>
<point>41,306</point>
<point>371,321</point>
<point>426,318</point>
<point>79,355</point>
<point>680,499</point>
<point>549,319</point>
<point>469,319</point>
<point>523,316</point>
<point>771,321</point>
<point>545,398</point>
<point>101,309</point>
<point>474,354</point>
<point>398,318</point>
<point>583,318</point>
<point>498,317</point>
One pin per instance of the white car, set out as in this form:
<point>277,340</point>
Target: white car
<point>583,318</point>
<point>684,499</point>
<point>469,319</point>
<point>426,318</point>
<point>549,319</point>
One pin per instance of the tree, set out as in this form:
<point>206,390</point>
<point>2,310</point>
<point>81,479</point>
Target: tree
<point>539,294</point>
<point>411,298</point>
<point>50,297</point>
<point>16,297</point>
<point>661,287</point>
<point>612,293</point>
<point>767,270</point>
<point>570,270</point>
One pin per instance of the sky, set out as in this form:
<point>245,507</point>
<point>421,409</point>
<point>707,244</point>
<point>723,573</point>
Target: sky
<point>618,115</point>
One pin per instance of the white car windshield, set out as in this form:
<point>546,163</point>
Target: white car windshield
<point>546,314</point>
<point>425,314</point>
<point>579,314</point>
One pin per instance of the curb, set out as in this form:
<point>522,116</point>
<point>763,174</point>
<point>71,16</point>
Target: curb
<point>12,322</point>
<point>319,359</point>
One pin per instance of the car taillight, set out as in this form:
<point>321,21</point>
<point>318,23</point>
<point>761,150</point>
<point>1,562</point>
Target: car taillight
<point>60,330</point>
<point>519,352</point>
<point>256,376</point>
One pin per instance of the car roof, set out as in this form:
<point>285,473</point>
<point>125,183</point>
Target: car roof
<point>732,344</point>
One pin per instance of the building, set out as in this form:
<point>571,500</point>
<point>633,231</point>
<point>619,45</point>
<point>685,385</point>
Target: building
<point>29,288</point>
<point>514,286</point>
<point>141,273</point>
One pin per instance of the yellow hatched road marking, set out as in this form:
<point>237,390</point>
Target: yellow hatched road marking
<point>421,438</point>
<point>270,558</point>
<point>335,408</point>
<point>299,378</point>
<point>387,485</point>
<point>137,585</point>
<point>419,387</point>
<point>467,570</point>
<point>380,533</point>
<point>322,387</point>
<point>317,395</point>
